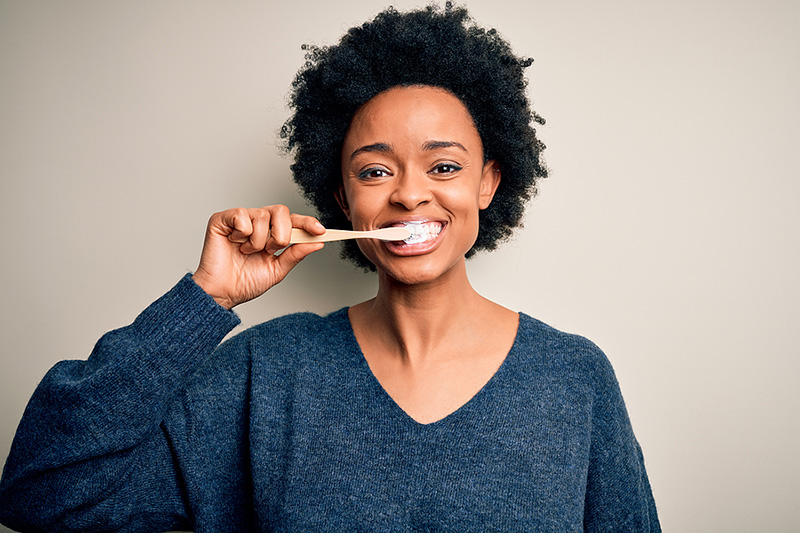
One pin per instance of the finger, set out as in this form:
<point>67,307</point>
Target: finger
<point>294,254</point>
<point>280,228</point>
<point>260,220</point>
<point>308,223</point>
<point>236,225</point>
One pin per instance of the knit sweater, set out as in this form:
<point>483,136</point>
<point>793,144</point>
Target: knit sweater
<point>284,428</point>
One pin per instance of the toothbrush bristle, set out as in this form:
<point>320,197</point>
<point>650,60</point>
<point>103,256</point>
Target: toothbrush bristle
<point>420,232</point>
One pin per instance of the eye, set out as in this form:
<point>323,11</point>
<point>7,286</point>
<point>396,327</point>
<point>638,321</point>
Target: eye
<point>373,173</point>
<point>445,169</point>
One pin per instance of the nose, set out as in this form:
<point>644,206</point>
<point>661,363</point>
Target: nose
<point>411,190</point>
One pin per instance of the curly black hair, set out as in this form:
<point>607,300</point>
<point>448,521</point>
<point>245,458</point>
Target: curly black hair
<point>433,47</point>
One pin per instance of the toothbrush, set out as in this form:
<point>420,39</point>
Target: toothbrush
<point>384,234</point>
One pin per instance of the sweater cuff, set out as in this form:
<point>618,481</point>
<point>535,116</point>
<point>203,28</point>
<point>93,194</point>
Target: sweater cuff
<point>183,324</point>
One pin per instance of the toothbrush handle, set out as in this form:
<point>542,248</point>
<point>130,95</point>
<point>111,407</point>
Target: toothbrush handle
<point>300,236</point>
<point>386,234</point>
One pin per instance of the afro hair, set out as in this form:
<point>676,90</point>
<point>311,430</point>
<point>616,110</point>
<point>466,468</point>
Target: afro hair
<point>434,47</point>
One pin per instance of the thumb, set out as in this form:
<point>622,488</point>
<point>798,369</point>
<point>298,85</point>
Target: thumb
<point>295,253</point>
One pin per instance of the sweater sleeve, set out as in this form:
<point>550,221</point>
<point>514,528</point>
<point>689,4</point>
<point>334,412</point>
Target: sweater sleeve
<point>618,494</point>
<point>91,447</point>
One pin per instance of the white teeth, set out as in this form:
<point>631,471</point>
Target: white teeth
<point>422,231</point>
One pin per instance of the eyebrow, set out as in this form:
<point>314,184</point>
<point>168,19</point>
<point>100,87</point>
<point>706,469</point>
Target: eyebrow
<point>377,147</point>
<point>428,146</point>
<point>435,145</point>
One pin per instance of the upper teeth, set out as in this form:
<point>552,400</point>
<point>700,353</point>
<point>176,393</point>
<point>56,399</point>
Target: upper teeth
<point>422,231</point>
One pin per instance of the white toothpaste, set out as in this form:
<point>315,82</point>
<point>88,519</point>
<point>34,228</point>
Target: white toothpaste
<point>421,232</point>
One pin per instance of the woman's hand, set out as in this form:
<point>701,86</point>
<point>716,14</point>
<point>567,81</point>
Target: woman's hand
<point>239,262</point>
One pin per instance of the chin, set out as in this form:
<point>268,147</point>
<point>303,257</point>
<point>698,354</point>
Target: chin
<point>417,270</point>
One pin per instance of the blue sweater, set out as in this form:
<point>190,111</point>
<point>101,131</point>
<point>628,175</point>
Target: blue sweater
<point>284,428</point>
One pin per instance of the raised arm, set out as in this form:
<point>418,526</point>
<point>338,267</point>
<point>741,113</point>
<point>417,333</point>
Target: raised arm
<point>102,442</point>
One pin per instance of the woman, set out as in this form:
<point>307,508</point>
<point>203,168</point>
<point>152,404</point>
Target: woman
<point>428,407</point>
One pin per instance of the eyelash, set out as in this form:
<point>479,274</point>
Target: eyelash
<point>452,166</point>
<point>446,169</point>
<point>365,174</point>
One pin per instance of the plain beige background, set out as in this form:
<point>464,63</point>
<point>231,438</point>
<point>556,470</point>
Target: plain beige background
<point>667,233</point>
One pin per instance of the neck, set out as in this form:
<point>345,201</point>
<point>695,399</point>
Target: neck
<point>415,321</point>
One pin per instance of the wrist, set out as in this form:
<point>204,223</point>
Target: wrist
<point>202,281</point>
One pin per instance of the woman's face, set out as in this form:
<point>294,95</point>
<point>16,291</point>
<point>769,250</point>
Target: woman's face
<point>413,154</point>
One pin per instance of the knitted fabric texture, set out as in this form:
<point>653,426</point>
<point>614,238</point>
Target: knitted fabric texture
<point>284,428</point>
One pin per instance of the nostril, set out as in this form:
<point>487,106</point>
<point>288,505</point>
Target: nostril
<point>409,201</point>
<point>411,191</point>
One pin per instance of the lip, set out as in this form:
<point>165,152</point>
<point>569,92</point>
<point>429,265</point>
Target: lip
<point>403,249</point>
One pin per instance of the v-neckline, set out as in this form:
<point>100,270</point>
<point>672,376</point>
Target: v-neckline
<point>401,413</point>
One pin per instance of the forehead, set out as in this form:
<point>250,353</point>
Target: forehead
<point>412,113</point>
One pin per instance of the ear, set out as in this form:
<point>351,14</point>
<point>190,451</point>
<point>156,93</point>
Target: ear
<point>490,179</point>
<point>341,199</point>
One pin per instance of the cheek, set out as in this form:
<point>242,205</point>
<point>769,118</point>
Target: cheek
<point>365,204</point>
<point>463,200</point>
<point>468,202</point>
